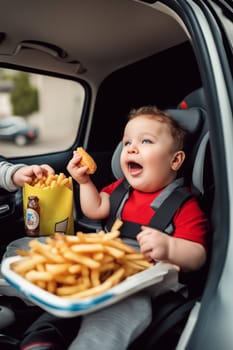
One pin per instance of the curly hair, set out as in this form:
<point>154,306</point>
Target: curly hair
<point>178,132</point>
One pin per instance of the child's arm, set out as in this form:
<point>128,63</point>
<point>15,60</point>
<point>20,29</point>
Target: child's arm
<point>13,176</point>
<point>27,173</point>
<point>94,205</point>
<point>156,245</point>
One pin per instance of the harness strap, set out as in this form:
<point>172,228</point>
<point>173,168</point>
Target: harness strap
<point>117,199</point>
<point>168,208</point>
<point>130,229</point>
<point>162,218</point>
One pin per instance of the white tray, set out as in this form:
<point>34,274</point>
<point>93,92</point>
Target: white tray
<point>69,308</point>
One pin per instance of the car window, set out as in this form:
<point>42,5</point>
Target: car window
<point>38,113</point>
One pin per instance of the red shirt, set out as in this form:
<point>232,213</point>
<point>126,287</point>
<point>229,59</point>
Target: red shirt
<point>189,221</point>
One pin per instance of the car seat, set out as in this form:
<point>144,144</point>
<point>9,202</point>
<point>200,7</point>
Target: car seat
<point>195,98</point>
<point>171,310</point>
<point>205,184</point>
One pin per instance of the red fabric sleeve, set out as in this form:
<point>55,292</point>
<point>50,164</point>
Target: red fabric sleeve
<point>191,223</point>
<point>110,188</point>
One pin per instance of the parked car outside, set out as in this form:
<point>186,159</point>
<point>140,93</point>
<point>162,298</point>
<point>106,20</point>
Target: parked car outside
<point>18,130</point>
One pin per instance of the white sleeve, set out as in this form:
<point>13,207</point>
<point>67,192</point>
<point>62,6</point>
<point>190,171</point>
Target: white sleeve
<point>6,172</point>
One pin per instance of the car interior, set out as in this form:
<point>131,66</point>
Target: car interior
<point>124,55</point>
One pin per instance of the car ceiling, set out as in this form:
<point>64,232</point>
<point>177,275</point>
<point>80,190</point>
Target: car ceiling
<point>103,35</point>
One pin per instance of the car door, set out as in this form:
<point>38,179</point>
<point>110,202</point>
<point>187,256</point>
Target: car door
<point>209,323</point>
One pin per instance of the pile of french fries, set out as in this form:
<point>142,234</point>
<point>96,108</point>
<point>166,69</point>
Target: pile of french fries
<point>52,181</point>
<point>79,266</point>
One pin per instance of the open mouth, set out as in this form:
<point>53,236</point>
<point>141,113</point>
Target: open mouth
<point>134,167</point>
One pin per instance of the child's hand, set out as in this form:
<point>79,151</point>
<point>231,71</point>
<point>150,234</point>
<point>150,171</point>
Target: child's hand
<point>78,173</point>
<point>153,244</point>
<point>27,173</point>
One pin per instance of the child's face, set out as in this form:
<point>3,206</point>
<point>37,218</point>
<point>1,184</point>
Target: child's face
<point>148,158</point>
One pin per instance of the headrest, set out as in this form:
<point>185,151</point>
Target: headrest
<point>116,168</point>
<point>191,120</point>
<point>194,99</point>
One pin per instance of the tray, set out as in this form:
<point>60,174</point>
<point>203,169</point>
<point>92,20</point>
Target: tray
<point>70,308</point>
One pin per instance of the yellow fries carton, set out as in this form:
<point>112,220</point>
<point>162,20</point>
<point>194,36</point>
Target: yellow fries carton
<point>56,204</point>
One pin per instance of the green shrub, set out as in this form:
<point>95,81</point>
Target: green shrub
<point>24,97</point>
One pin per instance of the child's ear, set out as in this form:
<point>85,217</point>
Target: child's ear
<point>177,160</point>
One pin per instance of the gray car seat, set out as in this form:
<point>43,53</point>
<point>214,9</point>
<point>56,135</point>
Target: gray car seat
<point>205,184</point>
<point>195,98</point>
<point>171,310</point>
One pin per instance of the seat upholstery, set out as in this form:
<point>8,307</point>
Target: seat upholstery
<point>195,99</point>
<point>170,313</point>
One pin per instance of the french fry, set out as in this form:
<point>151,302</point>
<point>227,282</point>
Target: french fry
<point>79,266</point>
<point>40,267</point>
<point>116,277</point>
<point>46,251</point>
<point>82,259</point>
<point>107,258</point>
<point>27,264</point>
<point>134,256</point>
<point>60,178</point>
<point>95,277</point>
<point>98,256</point>
<point>134,264</point>
<point>65,279</point>
<point>116,253</point>
<point>92,291</point>
<point>42,284</point>
<point>68,290</point>
<point>108,267</point>
<point>111,235</point>
<point>22,252</point>
<point>51,286</point>
<point>116,225</point>
<point>52,181</point>
<point>57,269</point>
<point>34,276</point>
<point>74,269</point>
<point>120,246</point>
<point>87,248</point>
